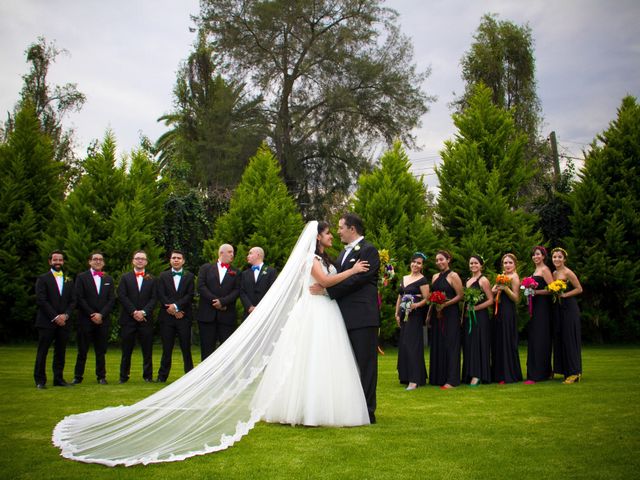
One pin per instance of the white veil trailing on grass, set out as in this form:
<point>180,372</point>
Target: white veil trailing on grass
<point>208,409</point>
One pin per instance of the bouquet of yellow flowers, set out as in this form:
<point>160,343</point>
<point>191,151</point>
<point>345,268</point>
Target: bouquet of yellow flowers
<point>557,288</point>
<point>387,268</point>
<point>504,280</point>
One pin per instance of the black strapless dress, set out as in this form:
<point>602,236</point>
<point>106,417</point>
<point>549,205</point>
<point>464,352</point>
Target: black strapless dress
<point>506,360</point>
<point>539,336</point>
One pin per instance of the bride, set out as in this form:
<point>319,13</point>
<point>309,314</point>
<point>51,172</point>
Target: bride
<point>289,362</point>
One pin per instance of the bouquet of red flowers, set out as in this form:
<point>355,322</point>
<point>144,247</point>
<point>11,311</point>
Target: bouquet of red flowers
<point>529,286</point>
<point>437,298</point>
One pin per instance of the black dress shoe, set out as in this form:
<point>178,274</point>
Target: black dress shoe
<point>148,380</point>
<point>40,386</point>
<point>62,383</point>
<point>76,381</point>
<point>102,381</point>
<point>161,380</point>
<point>123,380</point>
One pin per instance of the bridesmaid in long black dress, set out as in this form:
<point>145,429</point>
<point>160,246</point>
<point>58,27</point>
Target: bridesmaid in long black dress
<point>506,360</point>
<point>568,316</point>
<point>411,368</point>
<point>444,357</point>
<point>539,327</point>
<point>476,347</point>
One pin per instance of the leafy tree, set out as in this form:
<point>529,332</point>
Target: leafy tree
<point>338,76</point>
<point>51,102</point>
<point>116,207</point>
<point>604,246</point>
<point>482,171</point>
<point>554,208</point>
<point>215,127</point>
<point>261,214</point>
<point>502,58</point>
<point>30,193</point>
<point>393,206</point>
<point>189,219</point>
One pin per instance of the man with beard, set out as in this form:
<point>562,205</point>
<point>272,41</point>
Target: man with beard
<point>55,300</point>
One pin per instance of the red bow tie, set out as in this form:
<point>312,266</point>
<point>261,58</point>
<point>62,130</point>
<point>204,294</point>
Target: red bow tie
<point>97,273</point>
<point>139,274</point>
<point>224,265</point>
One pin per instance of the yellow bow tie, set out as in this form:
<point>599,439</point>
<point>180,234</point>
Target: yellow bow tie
<point>58,274</point>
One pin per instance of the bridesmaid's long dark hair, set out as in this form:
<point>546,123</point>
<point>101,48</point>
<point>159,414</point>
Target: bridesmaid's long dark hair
<point>326,259</point>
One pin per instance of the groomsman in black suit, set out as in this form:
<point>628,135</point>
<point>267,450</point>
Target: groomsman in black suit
<point>175,291</point>
<point>357,297</point>
<point>219,288</point>
<point>137,295</point>
<point>95,298</point>
<point>255,281</point>
<point>55,300</point>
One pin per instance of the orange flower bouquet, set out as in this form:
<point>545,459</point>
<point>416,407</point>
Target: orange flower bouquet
<point>504,280</point>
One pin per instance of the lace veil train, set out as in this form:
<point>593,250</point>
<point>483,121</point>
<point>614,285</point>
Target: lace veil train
<point>209,408</point>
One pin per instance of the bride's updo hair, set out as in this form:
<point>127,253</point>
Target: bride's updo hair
<point>326,259</point>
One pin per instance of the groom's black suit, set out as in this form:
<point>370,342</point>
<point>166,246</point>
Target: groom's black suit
<point>357,297</point>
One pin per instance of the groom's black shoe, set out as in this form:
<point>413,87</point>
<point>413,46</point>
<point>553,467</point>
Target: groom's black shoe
<point>372,419</point>
<point>62,383</point>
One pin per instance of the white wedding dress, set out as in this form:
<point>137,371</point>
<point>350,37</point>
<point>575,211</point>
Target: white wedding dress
<point>310,378</point>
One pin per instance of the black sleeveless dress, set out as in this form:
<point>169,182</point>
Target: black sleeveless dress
<point>570,333</point>
<point>444,357</point>
<point>539,336</point>
<point>476,350</point>
<point>411,366</point>
<point>506,360</point>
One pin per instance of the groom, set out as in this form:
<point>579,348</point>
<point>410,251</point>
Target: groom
<point>357,297</point>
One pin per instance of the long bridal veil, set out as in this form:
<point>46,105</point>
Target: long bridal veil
<point>209,408</point>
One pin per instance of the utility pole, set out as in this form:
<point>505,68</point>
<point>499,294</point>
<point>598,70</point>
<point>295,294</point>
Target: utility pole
<point>554,153</point>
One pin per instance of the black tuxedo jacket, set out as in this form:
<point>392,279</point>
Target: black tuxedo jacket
<point>252,291</point>
<point>131,299</point>
<point>89,301</point>
<point>210,288</point>
<point>51,303</point>
<point>167,294</point>
<point>357,296</point>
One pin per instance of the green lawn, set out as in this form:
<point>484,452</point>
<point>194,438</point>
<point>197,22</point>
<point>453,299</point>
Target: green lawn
<point>549,430</point>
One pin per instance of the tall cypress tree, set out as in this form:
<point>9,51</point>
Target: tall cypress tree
<point>604,246</point>
<point>116,207</point>
<point>394,208</point>
<point>262,213</point>
<point>31,189</point>
<point>481,175</point>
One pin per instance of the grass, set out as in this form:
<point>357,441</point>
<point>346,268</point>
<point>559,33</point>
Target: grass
<point>547,430</point>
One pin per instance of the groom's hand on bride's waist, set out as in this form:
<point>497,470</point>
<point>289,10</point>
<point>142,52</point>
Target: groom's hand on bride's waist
<point>317,289</point>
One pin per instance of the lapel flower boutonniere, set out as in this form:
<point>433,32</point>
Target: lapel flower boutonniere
<point>147,276</point>
<point>264,271</point>
<point>66,279</point>
<point>356,248</point>
<point>231,273</point>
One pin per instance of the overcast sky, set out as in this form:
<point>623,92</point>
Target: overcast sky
<point>124,55</point>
